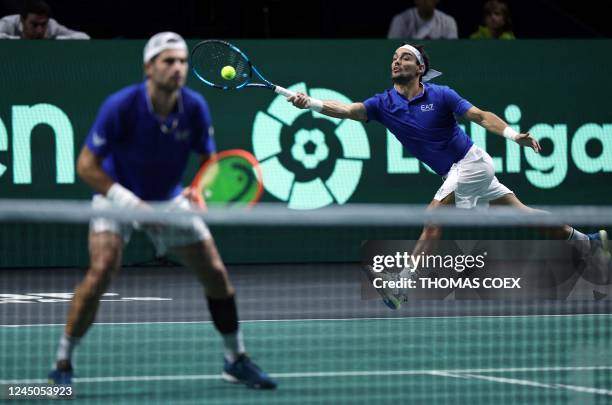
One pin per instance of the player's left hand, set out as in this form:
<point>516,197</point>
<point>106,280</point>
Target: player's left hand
<point>529,141</point>
<point>190,194</point>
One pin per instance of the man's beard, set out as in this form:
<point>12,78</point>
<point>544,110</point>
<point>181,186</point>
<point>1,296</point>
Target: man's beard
<point>169,86</point>
<point>402,80</point>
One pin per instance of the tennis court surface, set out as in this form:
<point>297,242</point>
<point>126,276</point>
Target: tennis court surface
<point>309,328</point>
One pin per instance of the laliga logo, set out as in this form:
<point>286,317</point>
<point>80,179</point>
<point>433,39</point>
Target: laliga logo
<point>308,159</point>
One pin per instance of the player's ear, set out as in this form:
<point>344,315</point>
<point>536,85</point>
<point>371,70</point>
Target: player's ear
<point>147,68</point>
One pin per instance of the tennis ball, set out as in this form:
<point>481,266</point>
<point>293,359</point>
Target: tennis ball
<point>228,72</point>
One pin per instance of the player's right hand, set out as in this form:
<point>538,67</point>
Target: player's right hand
<point>300,100</point>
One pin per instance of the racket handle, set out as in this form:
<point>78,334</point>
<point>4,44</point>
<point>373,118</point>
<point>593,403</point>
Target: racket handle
<point>315,104</point>
<point>283,91</point>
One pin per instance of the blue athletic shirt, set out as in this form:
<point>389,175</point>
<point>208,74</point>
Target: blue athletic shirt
<point>425,125</point>
<point>141,156</point>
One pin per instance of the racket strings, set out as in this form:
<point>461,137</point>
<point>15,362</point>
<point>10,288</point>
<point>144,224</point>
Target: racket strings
<point>230,179</point>
<point>210,57</point>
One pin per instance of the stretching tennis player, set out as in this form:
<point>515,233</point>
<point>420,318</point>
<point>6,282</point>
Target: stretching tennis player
<point>136,153</point>
<point>422,117</point>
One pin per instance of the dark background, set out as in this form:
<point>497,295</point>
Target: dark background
<point>313,18</point>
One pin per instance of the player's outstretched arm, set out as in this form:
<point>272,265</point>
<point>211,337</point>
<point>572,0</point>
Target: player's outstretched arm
<point>493,123</point>
<point>354,111</point>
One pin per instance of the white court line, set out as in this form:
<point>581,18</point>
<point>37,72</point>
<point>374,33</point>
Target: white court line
<point>446,373</point>
<point>530,383</point>
<point>462,317</point>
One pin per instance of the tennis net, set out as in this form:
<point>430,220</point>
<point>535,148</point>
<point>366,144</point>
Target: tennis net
<point>310,312</point>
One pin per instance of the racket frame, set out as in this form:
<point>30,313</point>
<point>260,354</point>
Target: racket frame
<point>252,69</point>
<point>195,184</point>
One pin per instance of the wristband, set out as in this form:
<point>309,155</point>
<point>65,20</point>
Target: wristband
<point>316,104</point>
<point>122,196</point>
<point>510,133</point>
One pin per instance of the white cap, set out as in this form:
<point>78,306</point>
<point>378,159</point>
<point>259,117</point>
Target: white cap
<point>162,42</point>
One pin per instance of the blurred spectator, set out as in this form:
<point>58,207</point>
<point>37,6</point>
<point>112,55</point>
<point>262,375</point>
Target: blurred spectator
<point>423,22</point>
<point>497,22</point>
<point>35,22</point>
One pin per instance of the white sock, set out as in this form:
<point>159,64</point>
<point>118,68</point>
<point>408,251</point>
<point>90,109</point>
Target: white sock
<point>580,241</point>
<point>577,235</point>
<point>66,346</point>
<point>407,272</point>
<point>234,345</point>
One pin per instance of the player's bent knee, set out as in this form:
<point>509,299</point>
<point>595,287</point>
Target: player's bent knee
<point>98,279</point>
<point>432,232</point>
<point>217,266</point>
<point>95,286</point>
<point>215,270</point>
<point>103,260</point>
<point>215,280</point>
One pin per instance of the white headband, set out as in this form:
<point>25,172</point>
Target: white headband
<point>415,52</point>
<point>431,73</point>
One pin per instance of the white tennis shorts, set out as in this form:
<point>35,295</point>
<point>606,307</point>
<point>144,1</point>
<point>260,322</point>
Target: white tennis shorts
<point>163,238</point>
<point>473,181</point>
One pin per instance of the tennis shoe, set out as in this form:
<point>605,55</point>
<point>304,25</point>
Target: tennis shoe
<point>58,376</point>
<point>244,371</point>
<point>598,263</point>
<point>599,241</point>
<point>391,297</point>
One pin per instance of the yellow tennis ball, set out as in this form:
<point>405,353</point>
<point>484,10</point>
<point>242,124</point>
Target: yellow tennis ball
<point>228,72</point>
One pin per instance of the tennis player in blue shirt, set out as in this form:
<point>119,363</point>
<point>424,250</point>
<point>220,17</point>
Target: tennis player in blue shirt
<point>136,153</point>
<point>421,115</point>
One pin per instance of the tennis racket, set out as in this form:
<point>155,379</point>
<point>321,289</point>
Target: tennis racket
<point>210,56</point>
<point>231,177</point>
